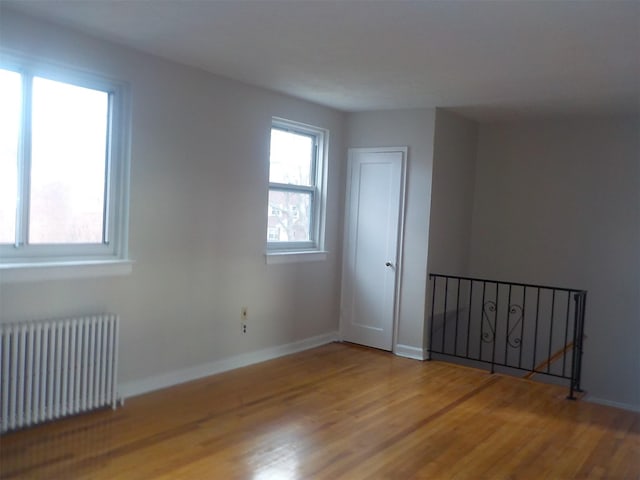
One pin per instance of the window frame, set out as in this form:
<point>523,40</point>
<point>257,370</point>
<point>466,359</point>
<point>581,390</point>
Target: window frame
<point>317,190</point>
<point>114,247</point>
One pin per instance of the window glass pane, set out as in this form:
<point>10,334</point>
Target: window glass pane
<point>291,158</point>
<point>68,163</point>
<point>289,216</point>
<point>10,117</point>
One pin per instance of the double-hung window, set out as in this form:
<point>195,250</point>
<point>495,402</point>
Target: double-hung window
<point>296,197</point>
<point>63,166</point>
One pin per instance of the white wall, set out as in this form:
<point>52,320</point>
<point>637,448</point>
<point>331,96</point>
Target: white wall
<point>199,176</point>
<point>412,128</point>
<point>558,202</point>
<point>454,157</point>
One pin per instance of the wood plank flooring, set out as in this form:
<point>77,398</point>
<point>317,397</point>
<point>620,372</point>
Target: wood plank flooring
<point>338,411</point>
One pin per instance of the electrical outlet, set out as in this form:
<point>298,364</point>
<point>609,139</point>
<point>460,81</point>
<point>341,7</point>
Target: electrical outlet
<point>244,313</point>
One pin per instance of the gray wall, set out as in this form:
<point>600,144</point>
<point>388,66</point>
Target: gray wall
<point>558,202</point>
<point>454,168</point>
<point>199,176</point>
<point>454,155</point>
<point>414,129</point>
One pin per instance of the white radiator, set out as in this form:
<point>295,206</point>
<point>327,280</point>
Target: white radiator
<point>55,368</point>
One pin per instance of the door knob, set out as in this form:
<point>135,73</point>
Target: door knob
<point>388,264</point>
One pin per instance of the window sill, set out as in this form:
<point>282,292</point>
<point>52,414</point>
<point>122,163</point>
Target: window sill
<point>295,257</point>
<point>35,272</point>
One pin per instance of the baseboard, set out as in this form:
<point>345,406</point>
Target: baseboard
<point>408,351</point>
<point>156,382</point>
<point>611,403</point>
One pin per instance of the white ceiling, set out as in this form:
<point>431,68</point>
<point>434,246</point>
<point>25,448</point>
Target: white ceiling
<point>484,58</point>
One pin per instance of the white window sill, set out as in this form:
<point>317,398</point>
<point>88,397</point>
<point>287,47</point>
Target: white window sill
<point>294,257</point>
<point>35,272</point>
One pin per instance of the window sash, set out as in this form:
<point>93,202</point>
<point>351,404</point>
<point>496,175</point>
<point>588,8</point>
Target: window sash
<point>313,172</point>
<point>26,187</point>
<point>297,244</point>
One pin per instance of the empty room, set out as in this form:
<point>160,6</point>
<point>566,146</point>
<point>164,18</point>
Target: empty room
<point>319,239</point>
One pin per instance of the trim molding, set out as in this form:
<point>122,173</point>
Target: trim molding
<point>610,403</point>
<point>274,257</point>
<point>156,382</point>
<point>408,351</point>
<point>35,272</point>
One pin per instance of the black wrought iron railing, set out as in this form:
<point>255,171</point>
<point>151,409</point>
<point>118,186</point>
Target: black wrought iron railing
<point>534,328</point>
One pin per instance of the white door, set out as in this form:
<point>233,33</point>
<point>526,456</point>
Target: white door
<point>373,226</point>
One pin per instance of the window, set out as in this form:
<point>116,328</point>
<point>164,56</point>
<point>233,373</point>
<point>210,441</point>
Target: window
<point>295,209</point>
<point>63,166</point>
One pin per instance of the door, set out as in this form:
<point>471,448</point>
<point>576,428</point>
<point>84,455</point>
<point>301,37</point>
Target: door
<point>373,227</point>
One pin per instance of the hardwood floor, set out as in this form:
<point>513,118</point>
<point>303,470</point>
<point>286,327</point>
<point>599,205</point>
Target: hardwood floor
<point>338,411</point>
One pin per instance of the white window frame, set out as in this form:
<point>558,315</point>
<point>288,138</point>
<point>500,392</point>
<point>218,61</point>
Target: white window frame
<point>114,248</point>
<point>279,252</point>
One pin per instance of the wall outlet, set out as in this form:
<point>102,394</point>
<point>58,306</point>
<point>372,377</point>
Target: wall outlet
<point>244,313</point>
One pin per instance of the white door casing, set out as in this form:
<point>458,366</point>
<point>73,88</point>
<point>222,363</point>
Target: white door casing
<point>374,216</point>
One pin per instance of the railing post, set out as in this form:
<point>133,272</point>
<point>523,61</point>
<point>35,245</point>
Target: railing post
<point>535,333</point>
<point>433,302</point>
<point>553,309</point>
<point>444,315</point>
<point>495,330</point>
<point>524,313</point>
<point>469,315</point>
<point>455,340</point>
<point>506,331</point>
<point>583,303</point>
<point>484,290</point>
<point>575,360</point>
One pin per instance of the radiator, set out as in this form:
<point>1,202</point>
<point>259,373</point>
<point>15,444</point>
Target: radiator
<point>55,368</point>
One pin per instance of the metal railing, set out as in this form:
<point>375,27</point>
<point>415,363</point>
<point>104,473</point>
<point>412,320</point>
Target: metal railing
<point>535,328</point>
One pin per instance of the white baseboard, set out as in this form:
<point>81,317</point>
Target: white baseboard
<point>156,382</point>
<point>408,351</point>
<point>611,403</point>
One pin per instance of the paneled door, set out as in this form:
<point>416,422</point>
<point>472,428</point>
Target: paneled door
<point>372,241</point>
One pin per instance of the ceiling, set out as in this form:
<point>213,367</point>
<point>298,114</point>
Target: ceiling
<point>483,58</point>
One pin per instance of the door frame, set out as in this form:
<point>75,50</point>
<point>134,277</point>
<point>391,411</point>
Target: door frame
<point>404,150</point>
